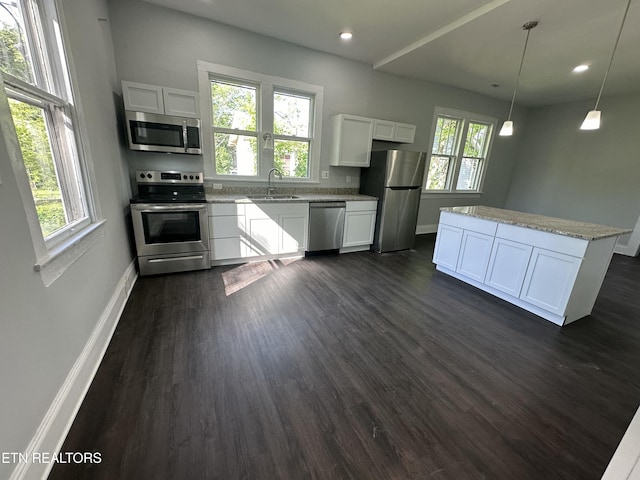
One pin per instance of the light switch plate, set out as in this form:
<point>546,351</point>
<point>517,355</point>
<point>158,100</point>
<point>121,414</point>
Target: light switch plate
<point>325,174</point>
<point>217,186</point>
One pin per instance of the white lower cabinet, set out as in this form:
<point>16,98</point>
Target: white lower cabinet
<point>554,276</point>
<point>226,231</point>
<point>294,228</point>
<point>359,224</point>
<point>475,251</point>
<point>275,229</point>
<point>227,248</point>
<point>508,266</point>
<point>550,279</point>
<point>243,231</point>
<point>448,241</point>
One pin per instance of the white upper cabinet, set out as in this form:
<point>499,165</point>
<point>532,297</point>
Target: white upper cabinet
<point>181,103</point>
<point>352,137</point>
<point>384,130</point>
<point>404,133</point>
<point>393,131</point>
<point>140,97</point>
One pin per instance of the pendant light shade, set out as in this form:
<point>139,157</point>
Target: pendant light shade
<point>507,129</point>
<point>507,126</point>
<point>592,120</point>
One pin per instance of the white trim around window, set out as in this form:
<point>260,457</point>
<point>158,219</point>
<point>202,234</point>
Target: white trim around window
<point>53,93</point>
<point>266,86</point>
<point>455,156</point>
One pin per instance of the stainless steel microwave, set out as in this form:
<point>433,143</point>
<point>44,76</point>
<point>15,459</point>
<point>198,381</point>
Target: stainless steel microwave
<point>152,132</point>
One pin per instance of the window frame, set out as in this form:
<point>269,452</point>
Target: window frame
<point>456,158</point>
<point>295,138</point>
<point>236,131</point>
<point>267,85</point>
<point>53,66</point>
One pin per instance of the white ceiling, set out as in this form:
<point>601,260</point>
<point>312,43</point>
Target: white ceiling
<point>469,44</point>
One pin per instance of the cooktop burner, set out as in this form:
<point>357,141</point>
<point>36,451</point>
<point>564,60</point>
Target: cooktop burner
<point>169,187</point>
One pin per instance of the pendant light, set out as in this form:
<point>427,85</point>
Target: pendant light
<point>592,120</point>
<point>507,126</point>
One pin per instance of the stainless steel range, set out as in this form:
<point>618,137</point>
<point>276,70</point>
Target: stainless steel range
<point>170,223</point>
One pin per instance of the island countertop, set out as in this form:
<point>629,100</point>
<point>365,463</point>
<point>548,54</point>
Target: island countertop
<point>559,226</point>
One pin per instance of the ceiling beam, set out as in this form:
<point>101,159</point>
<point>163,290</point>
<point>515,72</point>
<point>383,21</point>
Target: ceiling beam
<point>478,12</point>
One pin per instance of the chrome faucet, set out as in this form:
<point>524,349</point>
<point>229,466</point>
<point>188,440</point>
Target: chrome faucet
<point>271,189</point>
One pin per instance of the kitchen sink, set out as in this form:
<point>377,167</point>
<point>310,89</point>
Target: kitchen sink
<point>272,197</point>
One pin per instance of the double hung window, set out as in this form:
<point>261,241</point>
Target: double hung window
<point>460,148</point>
<point>52,174</point>
<point>259,122</point>
<point>39,93</point>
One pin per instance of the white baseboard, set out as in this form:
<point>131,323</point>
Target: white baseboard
<point>58,420</point>
<point>422,229</point>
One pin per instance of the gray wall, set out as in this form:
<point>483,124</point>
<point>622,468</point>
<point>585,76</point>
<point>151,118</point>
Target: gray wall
<point>43,330</point>
<point>160,46</point>
<point>591,176</point>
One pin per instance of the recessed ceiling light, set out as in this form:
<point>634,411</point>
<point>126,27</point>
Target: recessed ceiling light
<point>346,35</point>
<point>581,68</point>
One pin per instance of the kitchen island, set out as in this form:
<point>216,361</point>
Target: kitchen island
<point>549,266</point>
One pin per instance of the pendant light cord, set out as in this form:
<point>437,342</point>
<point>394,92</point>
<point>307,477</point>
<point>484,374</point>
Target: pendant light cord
<point>527,26</point>
<point>615,46</point>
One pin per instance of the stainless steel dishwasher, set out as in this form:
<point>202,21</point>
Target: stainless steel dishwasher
<point>326,223</point>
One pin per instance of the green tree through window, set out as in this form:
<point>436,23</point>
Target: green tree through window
<point>33,137</point>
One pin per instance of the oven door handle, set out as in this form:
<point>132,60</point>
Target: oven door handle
<point>147,208</point>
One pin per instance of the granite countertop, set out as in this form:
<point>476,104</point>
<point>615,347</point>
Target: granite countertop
<point>300,198</point>
<point>559,226</point>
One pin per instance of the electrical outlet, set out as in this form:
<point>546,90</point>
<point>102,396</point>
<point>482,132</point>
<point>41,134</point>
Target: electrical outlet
<point>348,179</point>
<point>325,174</point>
<point>217,186</point>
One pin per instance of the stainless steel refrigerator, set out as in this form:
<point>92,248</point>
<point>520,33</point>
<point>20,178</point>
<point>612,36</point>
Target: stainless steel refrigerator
<point>395,177</point>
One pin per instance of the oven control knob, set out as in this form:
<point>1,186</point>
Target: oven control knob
<point>148,175</point>
<point>184,176</point>
<point>191,177</point>
<point>197,177</point>
<point>142,175</point>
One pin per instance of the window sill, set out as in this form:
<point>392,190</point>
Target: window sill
<point>451,194</point>
<point>62,256</point>
<point>276,182</point>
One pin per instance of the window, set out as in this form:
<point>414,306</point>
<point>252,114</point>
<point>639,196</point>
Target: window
<point>235,132</point>
<point>39,96</point>
<point>292,115</point>
<point>259,122</point>
<point>459,152</point>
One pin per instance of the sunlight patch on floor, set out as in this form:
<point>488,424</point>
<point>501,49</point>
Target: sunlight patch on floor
<point>244,275</point>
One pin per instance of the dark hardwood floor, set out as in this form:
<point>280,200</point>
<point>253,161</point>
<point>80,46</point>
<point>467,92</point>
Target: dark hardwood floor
<point>359,366</point>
